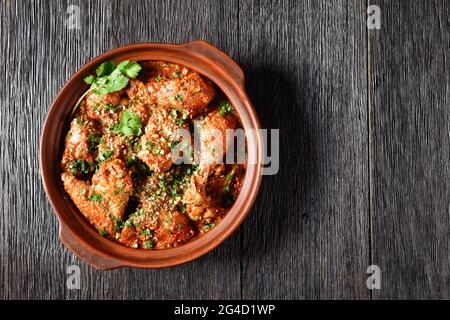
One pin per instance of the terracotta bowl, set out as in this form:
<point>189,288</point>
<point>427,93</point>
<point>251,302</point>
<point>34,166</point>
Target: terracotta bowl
<point>75,231</point>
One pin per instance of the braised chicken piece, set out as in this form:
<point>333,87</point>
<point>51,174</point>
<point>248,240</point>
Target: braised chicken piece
<point>211,192</point>
<point>180,88</point>
<point>103,203</point>
<point>95,213</point>
<point>173,229</point>
<point>137,92</point>
<point>161,134</point>
<point>116,146</point>
<point>215,137</point>
<point>203,197</point>
<point>94,100</point>
<point>119,163</point>
<point>140,99</point>
<point>103,109</point>
<point>81,141</point>
<point>113,184</point>
<point>159,222</point>
<point>198,202</point>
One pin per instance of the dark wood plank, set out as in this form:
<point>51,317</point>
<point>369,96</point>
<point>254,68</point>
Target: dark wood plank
<point>411,192</point>
<point>307,236</point>
<point>40,54</point>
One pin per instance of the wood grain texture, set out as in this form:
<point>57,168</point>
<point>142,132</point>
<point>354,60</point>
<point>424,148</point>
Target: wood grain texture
<point>410,58</point>
<point>307,236</point>
<point>364,141</point>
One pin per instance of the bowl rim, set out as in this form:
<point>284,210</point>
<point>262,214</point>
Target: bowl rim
<point>103,253</point>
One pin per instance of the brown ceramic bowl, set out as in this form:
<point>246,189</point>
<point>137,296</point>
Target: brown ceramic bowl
<point>75,231</point>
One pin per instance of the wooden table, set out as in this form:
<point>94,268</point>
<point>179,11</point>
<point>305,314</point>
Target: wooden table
<point>364,146</point>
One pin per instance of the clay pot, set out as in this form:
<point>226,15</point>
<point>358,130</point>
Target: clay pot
<point>75,231</point>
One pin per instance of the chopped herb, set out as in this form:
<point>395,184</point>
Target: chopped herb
<point>77,167</point>
<point>127,223</point>
<point>182,208</point>
<point>146,232</point>
<point>228,178</point>
<point>110,107</point>
<point>228,199</point>
<point>174,112</point>
<point>180,226</point>
<point>167,221</point>
<point>225,107</point>
<point>209,226</point>
<point>177,116</point>
<point>81,121</point>
<point>95,197</point>
<point>139,167</point>
<point>176,74</point>
<point>93,141</point>
<point>156,150</point>
<point>103,232</point>
<point>158,78</point>
<point>118,223</point>
<point>179,98</point>
<point>105,155</point>
<point>147,244</point>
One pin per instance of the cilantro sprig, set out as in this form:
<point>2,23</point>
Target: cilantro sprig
<point>110,77</point>
<point>130,124</point>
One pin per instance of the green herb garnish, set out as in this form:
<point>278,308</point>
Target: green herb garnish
<point>105,155</point>
<point>147,244</point>
<point>209,226</point>
<point>179,97</point>
<point>228,198</point>
<point>109,78</point>
<point>93,141</point>
<point>80,167</point>
<point>95,197</point>
<point>130,124</point>
<point>225,107</point>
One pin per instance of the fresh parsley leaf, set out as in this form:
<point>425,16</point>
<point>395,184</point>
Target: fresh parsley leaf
<point>115,82</point>
<point>89,79</point>
<point>130,69</point>
<point>130,124</point>
<point>106,68</point>
<point>110,77</point>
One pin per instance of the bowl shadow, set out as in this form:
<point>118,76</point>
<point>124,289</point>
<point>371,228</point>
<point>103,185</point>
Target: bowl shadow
<point>282,98</point>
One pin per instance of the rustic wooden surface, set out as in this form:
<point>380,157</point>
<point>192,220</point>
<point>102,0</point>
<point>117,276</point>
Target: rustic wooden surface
<point>364,146</point>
